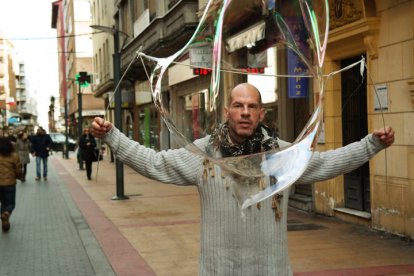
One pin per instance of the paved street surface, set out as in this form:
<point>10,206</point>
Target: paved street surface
<point>48,234</point>
<point>70,225</point>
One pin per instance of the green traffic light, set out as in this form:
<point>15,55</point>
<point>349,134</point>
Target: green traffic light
<point>83,79</point>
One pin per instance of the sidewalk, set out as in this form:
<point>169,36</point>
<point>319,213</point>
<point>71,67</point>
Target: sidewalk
<point>156,230</point>
<point>48,234</point>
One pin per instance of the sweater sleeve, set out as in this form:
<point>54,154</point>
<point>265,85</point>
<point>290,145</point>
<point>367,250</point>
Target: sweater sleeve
<point>329,164</point>
<point>178,166</point>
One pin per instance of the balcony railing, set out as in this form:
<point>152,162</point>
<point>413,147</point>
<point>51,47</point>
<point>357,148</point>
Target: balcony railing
<point>164,35</point>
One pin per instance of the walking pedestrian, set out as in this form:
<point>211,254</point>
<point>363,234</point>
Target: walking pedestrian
<point>41,145</point>
<point>10,170</point>
<point>232,244</point>
<point>23,147</point>
<point>87,145</point>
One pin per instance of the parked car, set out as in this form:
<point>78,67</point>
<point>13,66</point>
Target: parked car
<point>59,141</point>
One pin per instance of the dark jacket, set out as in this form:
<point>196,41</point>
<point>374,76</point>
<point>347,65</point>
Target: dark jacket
<point>41,144</point>
<point>87,146</point>
<point>10,169</point>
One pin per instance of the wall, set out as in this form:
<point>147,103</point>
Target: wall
<point>388,41</point>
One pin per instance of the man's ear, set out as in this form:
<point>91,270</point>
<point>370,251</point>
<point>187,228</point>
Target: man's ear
<point>226,113</point>
<point>262,114</point>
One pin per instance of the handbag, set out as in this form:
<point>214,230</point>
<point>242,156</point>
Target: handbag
<point>96,156</point>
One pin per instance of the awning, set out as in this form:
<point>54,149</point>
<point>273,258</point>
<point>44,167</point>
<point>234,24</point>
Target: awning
<point>246,38</point>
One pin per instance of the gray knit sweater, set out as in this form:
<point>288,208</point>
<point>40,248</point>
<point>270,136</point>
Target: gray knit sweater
<point>254,243</point>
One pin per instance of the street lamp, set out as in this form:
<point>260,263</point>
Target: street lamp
<point>118,104</point>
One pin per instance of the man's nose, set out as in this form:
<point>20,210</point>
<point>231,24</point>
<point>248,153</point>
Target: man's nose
<point>245,110</point>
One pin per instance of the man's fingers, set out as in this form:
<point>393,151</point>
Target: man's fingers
<point>386,135</point>
<point>100,127</point>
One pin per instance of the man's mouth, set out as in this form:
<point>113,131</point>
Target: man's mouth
<point>244,123</point>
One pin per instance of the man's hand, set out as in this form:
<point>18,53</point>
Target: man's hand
<point>385,135</point>
<point>100,127</point>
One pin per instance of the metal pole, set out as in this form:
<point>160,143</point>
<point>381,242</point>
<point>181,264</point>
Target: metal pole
<point>80,122</point>
<point>80,128</point>
<point>66,153</point>
<point>118,116</point>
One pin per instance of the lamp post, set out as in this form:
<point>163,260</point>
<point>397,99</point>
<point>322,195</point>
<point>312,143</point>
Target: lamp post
<point>118,105</point>
<point>80,122</point>
<point>66,151</point>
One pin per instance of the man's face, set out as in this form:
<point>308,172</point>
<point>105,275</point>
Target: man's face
<point>244,113</point>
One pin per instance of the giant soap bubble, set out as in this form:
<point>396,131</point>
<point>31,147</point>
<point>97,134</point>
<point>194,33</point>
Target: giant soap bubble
<point>245,41</point>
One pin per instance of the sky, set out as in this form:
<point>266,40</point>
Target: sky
<point>27,23</point>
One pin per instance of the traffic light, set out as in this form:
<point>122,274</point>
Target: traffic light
<point>83,79</point>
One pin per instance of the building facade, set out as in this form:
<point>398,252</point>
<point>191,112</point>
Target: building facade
<point>72,19</point>
<point>103,49</point>
<point>157,28</point>
<point>379,194</point>
<point>18,109</point>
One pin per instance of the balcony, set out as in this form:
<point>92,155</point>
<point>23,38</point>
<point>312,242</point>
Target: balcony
<point>163,36</point>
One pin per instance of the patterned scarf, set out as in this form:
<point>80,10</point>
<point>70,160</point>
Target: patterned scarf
<point>220,140</point>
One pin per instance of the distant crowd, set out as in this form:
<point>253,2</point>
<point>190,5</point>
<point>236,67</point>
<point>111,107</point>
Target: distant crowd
<point>15,150</point>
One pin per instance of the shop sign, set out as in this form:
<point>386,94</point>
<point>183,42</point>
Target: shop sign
<point>93,113</point>
<point>298,87</point>
<point>142,92</point>
<point>201,55</point>
<point>381,98</point>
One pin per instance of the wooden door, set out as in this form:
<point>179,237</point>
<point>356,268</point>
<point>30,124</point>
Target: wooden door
<point>354,128</point>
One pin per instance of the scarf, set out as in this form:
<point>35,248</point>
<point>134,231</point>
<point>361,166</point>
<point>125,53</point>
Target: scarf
<point>220,140</point>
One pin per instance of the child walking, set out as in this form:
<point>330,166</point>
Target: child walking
<point>10,170</point>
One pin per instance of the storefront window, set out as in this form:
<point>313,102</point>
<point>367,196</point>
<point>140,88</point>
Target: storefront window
<point>129,127</point>
<point>148,127</point>
<point>194,115</point>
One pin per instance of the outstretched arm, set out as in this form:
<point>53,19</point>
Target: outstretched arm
<point>173,166</point>
<point>329,164</point>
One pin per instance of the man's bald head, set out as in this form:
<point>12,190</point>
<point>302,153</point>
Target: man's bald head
<point>245,87</point>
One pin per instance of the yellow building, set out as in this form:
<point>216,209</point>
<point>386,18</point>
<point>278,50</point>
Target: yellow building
<point>383,32</point>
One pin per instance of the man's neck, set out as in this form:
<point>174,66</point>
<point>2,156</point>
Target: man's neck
<point>235,140</point>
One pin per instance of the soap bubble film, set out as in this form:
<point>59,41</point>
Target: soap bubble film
<point>280,50</point>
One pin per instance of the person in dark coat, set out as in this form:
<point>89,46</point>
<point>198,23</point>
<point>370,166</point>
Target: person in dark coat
<point>87,145</point>
<point>41,145</point>
<point>10,170</point>
<point>23,147</point>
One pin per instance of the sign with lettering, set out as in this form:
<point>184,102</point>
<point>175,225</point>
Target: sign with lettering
<point>380,98</point>
<point>201,55</point>
<point>298,87</point>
